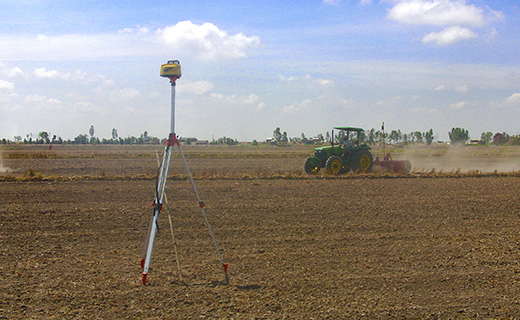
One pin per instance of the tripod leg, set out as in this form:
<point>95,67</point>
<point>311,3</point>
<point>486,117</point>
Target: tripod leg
<point>201,204</point>
<point>159,196</point>
<point>148,256</point>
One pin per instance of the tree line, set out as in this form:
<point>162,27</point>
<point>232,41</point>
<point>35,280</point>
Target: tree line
<point>372,136</point>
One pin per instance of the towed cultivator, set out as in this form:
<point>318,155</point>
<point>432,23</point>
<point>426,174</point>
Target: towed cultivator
<point>399,166</point>
<point>351,155</point>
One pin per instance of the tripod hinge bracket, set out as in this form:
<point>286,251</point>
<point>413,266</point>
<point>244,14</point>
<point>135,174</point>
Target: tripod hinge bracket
<point>172,140</point>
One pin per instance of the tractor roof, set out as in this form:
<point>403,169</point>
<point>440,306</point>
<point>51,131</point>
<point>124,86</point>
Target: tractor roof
<point>349,129</point>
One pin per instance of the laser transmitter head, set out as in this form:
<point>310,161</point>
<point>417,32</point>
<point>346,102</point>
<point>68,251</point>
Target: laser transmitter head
<point>172,69</point>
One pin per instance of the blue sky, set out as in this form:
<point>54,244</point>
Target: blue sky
<point>303,66</point>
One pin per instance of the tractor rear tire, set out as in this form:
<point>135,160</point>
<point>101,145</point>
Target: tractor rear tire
<point>334,165</point>
<point>309,167</point>
<point>363,161</point>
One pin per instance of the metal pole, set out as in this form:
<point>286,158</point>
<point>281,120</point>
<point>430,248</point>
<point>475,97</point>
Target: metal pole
<point>172,126</point>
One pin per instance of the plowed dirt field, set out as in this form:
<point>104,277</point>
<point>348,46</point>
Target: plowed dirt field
<point>73,225</point>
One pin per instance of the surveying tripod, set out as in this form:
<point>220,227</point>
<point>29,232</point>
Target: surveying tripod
<point>172,71</point>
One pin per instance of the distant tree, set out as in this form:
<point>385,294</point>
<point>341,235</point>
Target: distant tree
<point>428,136</point>
<point>91,131</point>
<point>81,139</point>
<point>393,136</point>
<point>378,136</point>
<point>486,137</point>
<point>405,138</point>
<point>225,140</point>
<point>339,136</point>
<point>44,137</point>
<point>514,140</point>
<point>500,139</point>
<point>17,138</point>
<point>362,137</point>
<point>371,136</point>
<point>458,135</point>
<point>284,137</point>
<point>418,136</point>
<point>277,135</point>
<point>114,133</point>
<point>327,136</point>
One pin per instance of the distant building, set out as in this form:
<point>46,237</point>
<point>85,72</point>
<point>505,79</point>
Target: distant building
<point>475,141</point>
<point>187,140</point>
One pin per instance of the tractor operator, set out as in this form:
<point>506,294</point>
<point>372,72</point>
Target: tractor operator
<point>347,143</point>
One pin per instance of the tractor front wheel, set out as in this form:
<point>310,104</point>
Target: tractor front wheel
<point>334,165</point>
<point>363,161</point>
<point>309,167</point>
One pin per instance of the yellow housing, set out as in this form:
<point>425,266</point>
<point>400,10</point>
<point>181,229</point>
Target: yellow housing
<point>171,69</point>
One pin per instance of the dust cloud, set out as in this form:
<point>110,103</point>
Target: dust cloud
<point>463,158</point>
<point>2,168</point>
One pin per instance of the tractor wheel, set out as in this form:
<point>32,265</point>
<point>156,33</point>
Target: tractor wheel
<point>309,167</point>
<point>334,165</point>
<point>363,161</point>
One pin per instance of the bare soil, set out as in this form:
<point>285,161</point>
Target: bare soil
<point>411,246</point>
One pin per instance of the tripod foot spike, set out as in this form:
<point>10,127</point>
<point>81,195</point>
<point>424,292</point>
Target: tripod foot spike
<point>144,277</point>
<point>225,265</point>
<point>142,263</point>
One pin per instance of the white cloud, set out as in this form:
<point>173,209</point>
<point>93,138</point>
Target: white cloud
<point>250,99</point>
<point>441,87</point>
<point>308,79</point>
<point>462,89</point>
<point>325,82</point>
<point>260,106</point>
<point>196,88</point>
<point>514,99</point>
<point>38,102</point>
<point>284,78</point>
<point>14,72</point>
<point>87,107</point>
<point>456,15</point>
<point>449,36</point>
<point>207,41</point>
<point>437,12</point>
<point>296,107</point>
<point>44,73</point>
<point>332,2</point>
<point>458,105</point>
<point>128,93</point>
<point>236,99</point>
<point>6,86</point>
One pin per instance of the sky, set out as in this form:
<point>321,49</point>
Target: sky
<point>249,67</point>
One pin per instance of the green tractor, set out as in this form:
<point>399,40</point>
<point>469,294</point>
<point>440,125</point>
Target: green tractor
<point>343,157</point>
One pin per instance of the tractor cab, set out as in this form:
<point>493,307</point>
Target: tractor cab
<point>348,137</point>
